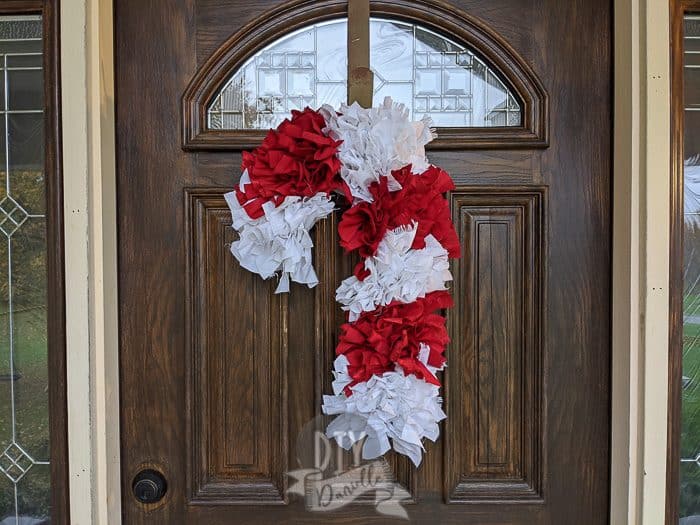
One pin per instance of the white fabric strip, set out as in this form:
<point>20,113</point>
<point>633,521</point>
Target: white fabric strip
<point>279,241</point>
<point>375,142</point>
<point>398,273</point>
<point>394,409</point>
<point>389,410</point>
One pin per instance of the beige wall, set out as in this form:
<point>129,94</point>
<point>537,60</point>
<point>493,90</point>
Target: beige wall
<point>640,301</point>
<point>640,271</point>
<point>91,277</point>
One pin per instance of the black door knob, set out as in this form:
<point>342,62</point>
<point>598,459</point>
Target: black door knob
<point>149,486</point>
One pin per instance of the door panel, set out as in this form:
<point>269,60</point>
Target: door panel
<point>220,377</point>
<point>237,363</point>
<point>494,379</point>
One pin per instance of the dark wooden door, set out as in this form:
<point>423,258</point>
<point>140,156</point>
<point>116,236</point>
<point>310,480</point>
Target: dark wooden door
<point>220,377</point>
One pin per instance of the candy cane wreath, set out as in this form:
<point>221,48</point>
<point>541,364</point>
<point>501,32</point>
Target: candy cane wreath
<point>399,222</point>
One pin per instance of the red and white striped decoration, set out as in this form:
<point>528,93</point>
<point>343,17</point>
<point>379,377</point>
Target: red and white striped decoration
<point>386,389</point>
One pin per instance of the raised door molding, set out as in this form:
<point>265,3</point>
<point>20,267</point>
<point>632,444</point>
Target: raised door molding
<point>494,381</point>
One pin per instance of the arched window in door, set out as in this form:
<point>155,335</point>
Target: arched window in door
<point>479,92</point>
<point>429,73</point>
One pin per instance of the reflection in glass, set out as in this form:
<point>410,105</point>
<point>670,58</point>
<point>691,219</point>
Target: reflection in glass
<point>24,430</point>
<point>429,73</point>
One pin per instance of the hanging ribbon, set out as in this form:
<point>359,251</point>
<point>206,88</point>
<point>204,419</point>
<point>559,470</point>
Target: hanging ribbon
<point>360,77</point>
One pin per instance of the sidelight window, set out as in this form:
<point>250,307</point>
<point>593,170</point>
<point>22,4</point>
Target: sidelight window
<point>24,400</point>
<point>685,445</point>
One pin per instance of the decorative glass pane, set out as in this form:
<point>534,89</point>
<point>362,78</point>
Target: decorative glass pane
<point>429,73</point>
<point>24,431</point>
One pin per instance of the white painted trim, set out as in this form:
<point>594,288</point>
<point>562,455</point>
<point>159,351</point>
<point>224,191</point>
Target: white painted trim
<point>77,263</point>
<point>625,323</point>
<point>104,284</point>
<point>655,238</point>
<point>91,260</point>
<point>641,243</point>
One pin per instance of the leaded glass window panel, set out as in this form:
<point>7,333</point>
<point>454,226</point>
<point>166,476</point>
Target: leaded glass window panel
<point>429,73</point>
<point>24,413</point>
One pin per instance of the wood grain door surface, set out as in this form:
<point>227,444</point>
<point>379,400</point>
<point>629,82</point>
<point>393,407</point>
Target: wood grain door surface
<point>220,377</point>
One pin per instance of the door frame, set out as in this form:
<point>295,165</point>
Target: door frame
<point>641,237</point>
<point>640,278</point>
